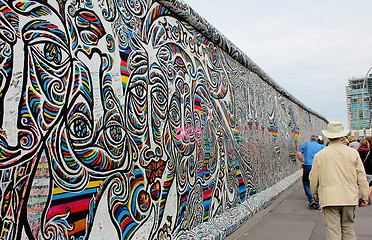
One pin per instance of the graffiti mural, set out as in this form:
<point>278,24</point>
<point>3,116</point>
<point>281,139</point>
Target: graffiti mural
<point>120,120</point>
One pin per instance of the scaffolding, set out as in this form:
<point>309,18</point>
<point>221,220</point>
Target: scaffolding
<point>359,103</point>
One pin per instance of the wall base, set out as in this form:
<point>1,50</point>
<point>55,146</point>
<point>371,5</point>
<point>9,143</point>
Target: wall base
<point>223,225</point>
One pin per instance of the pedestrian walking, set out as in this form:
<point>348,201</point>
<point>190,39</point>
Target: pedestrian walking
<point>335,180</point>
<point>364,150</point>
<point>366,156</point>
<point>306,155</point>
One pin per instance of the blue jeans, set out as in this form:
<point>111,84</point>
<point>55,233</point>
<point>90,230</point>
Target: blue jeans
<point>306,182</point>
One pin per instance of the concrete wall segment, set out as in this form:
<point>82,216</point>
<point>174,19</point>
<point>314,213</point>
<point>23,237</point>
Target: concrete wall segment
<point>119,120</point>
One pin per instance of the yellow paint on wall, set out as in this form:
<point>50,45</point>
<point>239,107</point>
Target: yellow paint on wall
<point>92,184</point>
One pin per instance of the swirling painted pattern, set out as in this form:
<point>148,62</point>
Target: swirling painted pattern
<point>119,120</point>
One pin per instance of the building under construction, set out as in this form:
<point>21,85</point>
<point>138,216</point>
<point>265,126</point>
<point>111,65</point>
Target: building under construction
<point>359,106</point>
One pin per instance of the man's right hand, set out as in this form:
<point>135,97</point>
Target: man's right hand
<point>363,203</point>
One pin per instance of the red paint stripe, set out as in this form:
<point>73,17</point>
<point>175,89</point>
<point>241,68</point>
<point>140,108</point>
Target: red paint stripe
<point>208,193</point>
<point>76,206</point>
<point>125,223</point>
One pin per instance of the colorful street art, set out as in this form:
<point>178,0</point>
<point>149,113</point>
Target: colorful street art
<point>120,120</point>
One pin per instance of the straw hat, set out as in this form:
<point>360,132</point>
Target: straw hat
<point>335,130</point>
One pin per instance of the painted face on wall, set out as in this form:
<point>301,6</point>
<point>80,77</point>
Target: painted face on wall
<point>146,122</point>
<point>70,83</point>
<point>177,64</point>
<point>68,109</point>
<point>147,105</point>
<point>68,79</point>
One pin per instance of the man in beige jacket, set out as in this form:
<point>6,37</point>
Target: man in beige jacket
<point>335,180</point>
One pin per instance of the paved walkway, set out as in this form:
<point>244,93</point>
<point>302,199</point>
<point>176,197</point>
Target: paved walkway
<point>289,218</point>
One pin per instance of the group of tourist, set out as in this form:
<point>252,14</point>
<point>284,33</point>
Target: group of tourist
<point>334,178</point>
<point>364,147</point>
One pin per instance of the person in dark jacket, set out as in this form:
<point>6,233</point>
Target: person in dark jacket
<point>366,156</point>
<point>364,149</point>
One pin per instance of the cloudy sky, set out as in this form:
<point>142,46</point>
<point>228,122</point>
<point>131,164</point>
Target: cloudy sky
<point>310,48</point>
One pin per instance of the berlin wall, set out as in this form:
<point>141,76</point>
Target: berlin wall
<point>136,119</point>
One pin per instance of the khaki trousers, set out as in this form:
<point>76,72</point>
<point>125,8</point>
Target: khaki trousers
<point>339,222</point>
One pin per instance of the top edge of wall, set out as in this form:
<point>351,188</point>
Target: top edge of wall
<point>186,13</point>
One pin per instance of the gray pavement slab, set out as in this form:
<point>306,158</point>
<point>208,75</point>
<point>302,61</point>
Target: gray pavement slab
<point>289,218</point>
